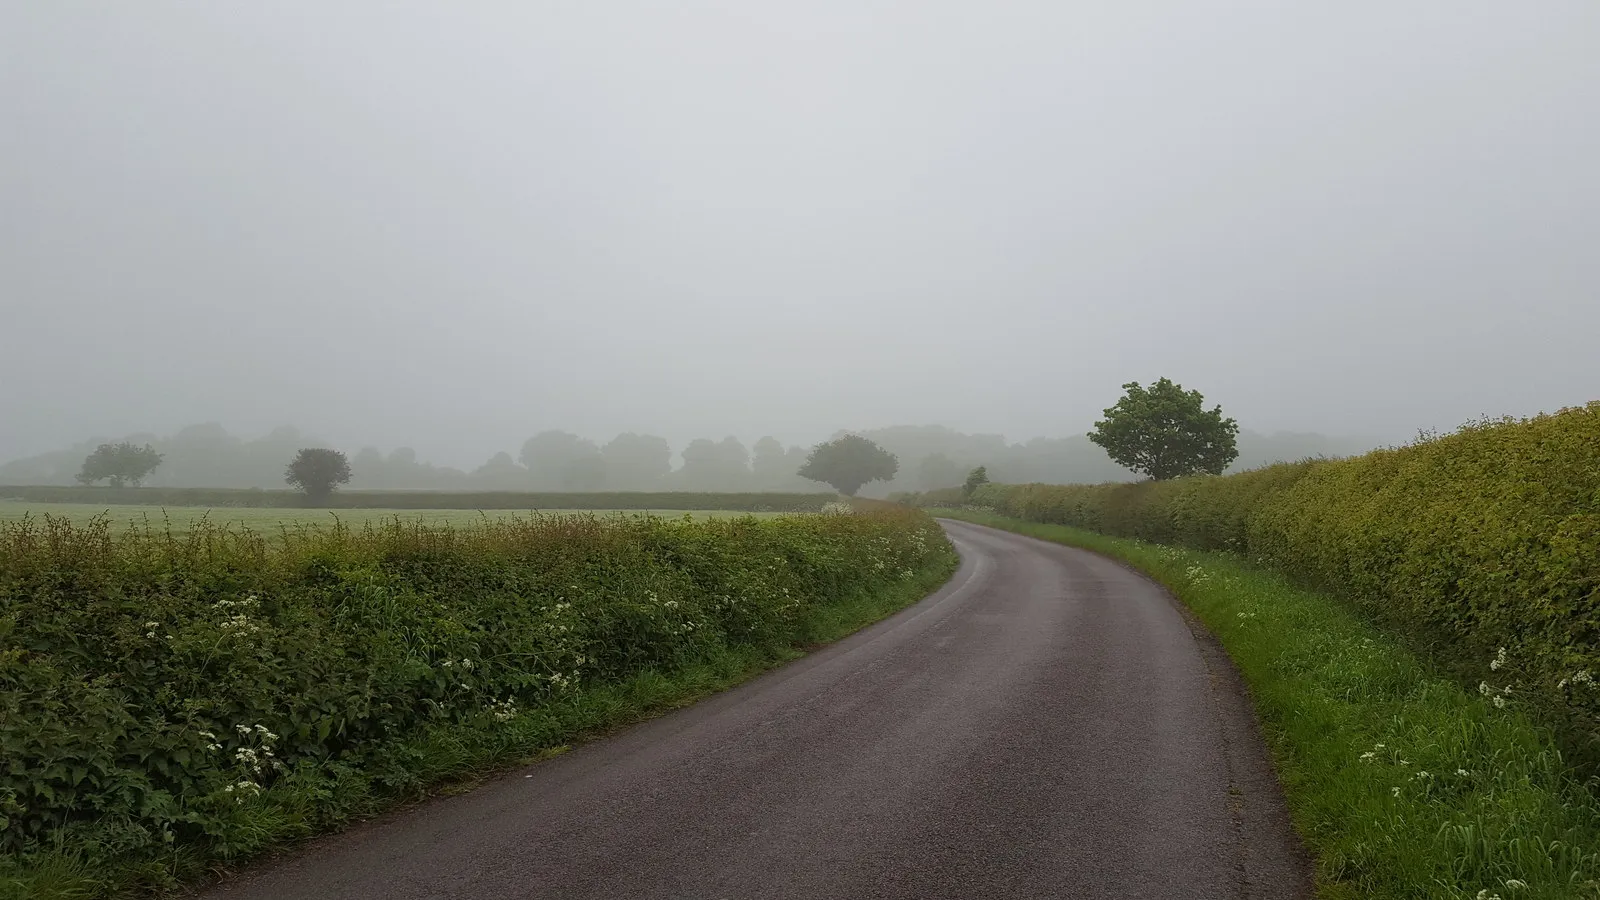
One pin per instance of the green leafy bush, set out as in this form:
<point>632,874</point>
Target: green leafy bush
<point>1484,539</point>
<point>519,500</point>
<point>159,692</point>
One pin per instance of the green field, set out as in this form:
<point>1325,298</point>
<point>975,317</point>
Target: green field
<point>182,518</point>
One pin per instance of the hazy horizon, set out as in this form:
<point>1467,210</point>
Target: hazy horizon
<point>453,227</point>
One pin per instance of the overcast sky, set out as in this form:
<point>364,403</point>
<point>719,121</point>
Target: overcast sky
<point>451,225</point>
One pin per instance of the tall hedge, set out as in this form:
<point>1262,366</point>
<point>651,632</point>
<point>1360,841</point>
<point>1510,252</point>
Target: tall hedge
<point>156,689</point>
<point>1483,539</point>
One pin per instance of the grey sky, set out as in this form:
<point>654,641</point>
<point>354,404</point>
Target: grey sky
<point>452,225</point>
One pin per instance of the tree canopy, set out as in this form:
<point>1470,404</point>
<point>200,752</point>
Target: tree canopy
<point>318,471</point>
<point>846,463</point>
<point>975,479</point>
<point>122,464</point>
<point>1166,432</point>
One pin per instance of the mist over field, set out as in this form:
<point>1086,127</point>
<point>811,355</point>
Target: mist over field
<point>437,231</point>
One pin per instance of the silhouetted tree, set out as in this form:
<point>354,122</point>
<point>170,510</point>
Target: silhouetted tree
<point>122,464</point>
<point>769,468</point>
<point>556,460</point>
<point>1166,432</point>
<point>715,465</point>
<point>849,462</point>
<point>937,471</point>
<point>975,479</point>
<point>501,472</point>
<point>318,471</point>
<point>636,462</point>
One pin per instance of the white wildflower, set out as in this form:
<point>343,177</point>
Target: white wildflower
<point>1499,660</point>
<point>1499,702</point>
<point>1394,791</point>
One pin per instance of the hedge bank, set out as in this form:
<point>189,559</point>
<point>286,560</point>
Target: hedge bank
<point>1481,546</point>
<point>174,701</point>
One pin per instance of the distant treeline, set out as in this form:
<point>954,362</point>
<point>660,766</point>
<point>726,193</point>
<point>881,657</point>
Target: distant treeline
<point>931,457</point>
<point>255,497</point>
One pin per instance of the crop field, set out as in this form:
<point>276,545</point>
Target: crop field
<point>184,518</point>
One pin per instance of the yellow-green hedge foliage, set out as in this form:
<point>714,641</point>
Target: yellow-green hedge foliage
<point>1485,538</point>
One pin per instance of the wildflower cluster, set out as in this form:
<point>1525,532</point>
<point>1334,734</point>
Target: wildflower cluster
<point>237,616</point>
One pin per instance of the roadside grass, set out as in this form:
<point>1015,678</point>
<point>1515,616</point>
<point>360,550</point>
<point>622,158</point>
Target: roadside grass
<point>313,800</point>
<point>1403,785</point>
<point>182,519</point>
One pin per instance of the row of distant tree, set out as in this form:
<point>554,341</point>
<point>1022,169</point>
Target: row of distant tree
<point>930,457</point>
<point>846,463</point>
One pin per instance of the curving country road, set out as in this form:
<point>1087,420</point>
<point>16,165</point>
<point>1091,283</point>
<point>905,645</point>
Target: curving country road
<point>1046,725</point>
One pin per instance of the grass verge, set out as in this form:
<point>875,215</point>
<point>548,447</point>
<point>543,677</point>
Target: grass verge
<point>1402,784</point>
<point>448,760</point>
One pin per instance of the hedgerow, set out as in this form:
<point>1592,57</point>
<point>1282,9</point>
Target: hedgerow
<point>1481,546</point>
<point>518,500</point>
<point>165,695</point>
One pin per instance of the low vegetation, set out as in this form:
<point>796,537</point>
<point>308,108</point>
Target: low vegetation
<point>274,520</point>
<point>173,703</point>
<point>1405,785</point>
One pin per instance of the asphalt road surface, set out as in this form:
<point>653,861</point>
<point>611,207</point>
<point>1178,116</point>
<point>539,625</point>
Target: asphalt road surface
<point>1046,725</point>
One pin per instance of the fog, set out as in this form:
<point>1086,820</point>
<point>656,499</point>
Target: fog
<point>450,226</point>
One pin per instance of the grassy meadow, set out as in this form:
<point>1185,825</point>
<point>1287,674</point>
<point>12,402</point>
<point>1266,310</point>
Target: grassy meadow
<point>182,519</point>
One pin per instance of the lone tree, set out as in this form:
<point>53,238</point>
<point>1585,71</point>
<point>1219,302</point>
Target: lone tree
<point>975,479</point>
<point>848,462</point>
<point>1166,432</point>
<point>317,471</point>
<point>124,464</point>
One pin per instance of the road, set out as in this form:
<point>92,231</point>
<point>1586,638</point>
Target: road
<point>1046,725</point>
